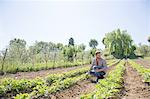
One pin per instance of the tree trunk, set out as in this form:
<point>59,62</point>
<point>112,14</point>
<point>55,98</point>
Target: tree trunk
<point>46,60</point>
<point>54,60</point>
<point>82,57</point>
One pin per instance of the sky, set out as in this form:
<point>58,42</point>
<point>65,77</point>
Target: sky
<point>58,20</point>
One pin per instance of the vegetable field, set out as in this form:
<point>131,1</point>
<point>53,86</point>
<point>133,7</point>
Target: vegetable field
<point>125,79</point>
<point>74,49</point>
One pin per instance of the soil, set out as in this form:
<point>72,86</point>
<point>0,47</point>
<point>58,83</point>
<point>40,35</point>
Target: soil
<point>134,88</point>
<point>74,92</point>
<point>41,73</point>
<point>143,62</point>
<point>81,88</point>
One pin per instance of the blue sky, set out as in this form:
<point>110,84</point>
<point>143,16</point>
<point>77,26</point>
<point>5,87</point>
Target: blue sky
<point>58,20</point>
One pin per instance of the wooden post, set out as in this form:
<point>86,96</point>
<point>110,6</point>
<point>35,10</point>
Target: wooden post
<point>4,60</point>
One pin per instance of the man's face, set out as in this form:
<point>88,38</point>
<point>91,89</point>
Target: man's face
<point>98,55</point>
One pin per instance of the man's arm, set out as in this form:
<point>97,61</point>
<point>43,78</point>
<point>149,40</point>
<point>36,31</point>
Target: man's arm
<point>105,67</point>
<point>93,63</point>
<point>104,63</point>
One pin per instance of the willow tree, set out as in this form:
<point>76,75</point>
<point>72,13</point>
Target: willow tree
<point>119,43</point>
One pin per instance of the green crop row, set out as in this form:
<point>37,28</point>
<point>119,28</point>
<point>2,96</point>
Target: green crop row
<point>57,83</point>
<point>112,61</point>
<point>26,85</point>
<point>144,72</point>
<point>41,66</point>
<point>110,86</point>
<point>44,91</point>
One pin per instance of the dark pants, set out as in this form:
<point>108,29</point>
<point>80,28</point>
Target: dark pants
<point>98,74</point>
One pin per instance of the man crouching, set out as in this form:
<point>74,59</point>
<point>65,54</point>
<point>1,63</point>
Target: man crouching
<point>98,67</point>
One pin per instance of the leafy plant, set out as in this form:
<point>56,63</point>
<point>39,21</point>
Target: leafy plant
<point>109,86</point>
<point>145,73</point>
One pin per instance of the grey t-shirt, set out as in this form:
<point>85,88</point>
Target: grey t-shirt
<point>102,62</point>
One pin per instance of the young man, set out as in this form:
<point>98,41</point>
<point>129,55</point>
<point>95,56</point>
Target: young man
<point>98,67</point>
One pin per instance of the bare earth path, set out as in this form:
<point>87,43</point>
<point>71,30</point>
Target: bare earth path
<point>41,73</point>
<point>143,62</point>
<point>134,87</point>
<point>74,92</point>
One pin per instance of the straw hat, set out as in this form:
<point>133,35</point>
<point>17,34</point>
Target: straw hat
<point>97,51</point>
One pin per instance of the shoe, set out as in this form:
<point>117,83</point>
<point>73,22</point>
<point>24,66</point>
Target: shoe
<point>101,77</point>
<point>92,81</point>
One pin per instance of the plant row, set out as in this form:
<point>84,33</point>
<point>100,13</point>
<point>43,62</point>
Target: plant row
<point>25,85</point>
<point>44,91</point>
<point>42,66</point>
<point>13,86</point>
<point>144,72</point>
<point>110,86</point>
<point>56,83</point>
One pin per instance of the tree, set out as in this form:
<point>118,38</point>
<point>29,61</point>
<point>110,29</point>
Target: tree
<point>93,43</point>
<point>143,50</point>
<point>59,46</point>
<point>32,54</point>
<point>71,42</point>
<point>44,49</point>
<point>149,39</point>
<point>81,49</point>
<point>119,44</point>
<point>70,52</point>
<point>17,50</point>
<point>92,52</point>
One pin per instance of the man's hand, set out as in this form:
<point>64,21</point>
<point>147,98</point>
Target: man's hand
<point>99,70</point>
<point>103,69</point>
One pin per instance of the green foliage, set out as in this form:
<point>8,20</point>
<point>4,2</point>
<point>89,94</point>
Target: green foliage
<point>148,39</point>
<point>70,52</point>
<point>145,73</point>
<point>41,66</point>
<point>110,86</point>
<point>119,44</point>
<point>59,46</point>
<point>71,42</point>
<point>92,52</point>
<point>17,51</point>
<point>93,43</point>
<point>17,86</point>
<point>39,86</point>
<point>45,91</point>
<point>82,47</point>
<point>41,55</point>
<point>51,78</point>
<point>23,96</point>
<point>25,85</point>
<point>143,50</point>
